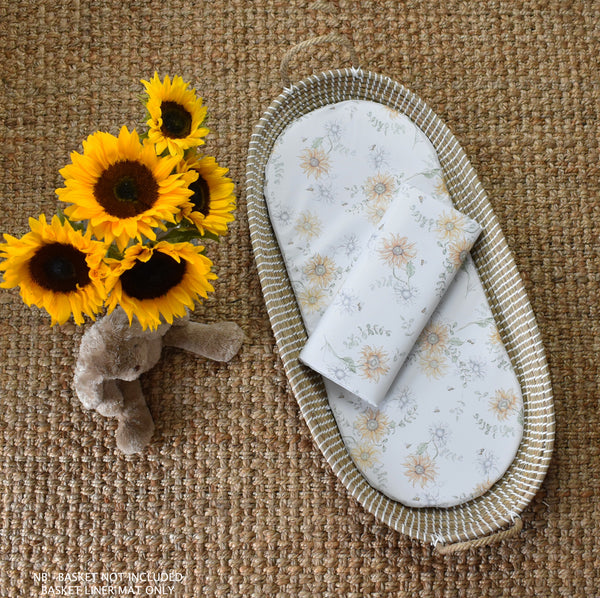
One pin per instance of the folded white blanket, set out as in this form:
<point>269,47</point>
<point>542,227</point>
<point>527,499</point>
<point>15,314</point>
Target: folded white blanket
<point>390,293</point>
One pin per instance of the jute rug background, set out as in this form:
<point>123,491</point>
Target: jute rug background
<point>232,498</point>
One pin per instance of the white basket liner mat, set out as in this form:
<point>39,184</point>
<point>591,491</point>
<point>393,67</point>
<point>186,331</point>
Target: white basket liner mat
<point>451,425</point>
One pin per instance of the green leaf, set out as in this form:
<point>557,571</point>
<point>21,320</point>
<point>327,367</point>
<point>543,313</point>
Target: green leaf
<point>61,215</point>
<point>208,235</point>
<point>350,363</point>
<point>181,236</point>
<point>484,323</point>
<point>422,448</point>
<point>429,174</point>
<point>113,252</point>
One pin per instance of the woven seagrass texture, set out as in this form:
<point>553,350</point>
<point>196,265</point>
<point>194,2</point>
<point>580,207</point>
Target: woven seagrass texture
<point>232,494</point>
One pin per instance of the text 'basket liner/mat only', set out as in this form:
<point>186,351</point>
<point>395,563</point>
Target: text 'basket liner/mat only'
<point>505,293</point>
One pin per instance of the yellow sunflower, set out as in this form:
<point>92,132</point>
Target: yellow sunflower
<point>122,187</point>
<point>320,270</point>
<point>374,363</point>
<point>435,338</point>
<point>458,251</point>
<point>373,425</point>
<point>396,251</point>
<point>503,403</point>
<point>212,200</point>
<point>176,115</point>
<point>380,189</point>
<point>312,299</point>
<point>494,338</point>
<point>314,162</point>
<point>420,469</point>
<point>365,456</point>
<point>159,281</point>
<point>450,226</point>
<point>57,268</point>
<point>375,212</point>
<point>308,225</point>
<point>440,188</point>
<point>433,365</point>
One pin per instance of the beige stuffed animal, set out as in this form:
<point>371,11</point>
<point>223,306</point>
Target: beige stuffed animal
<point>113,354</point>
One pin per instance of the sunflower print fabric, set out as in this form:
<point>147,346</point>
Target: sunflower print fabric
<point>411,250</point>
<point>451,421</point>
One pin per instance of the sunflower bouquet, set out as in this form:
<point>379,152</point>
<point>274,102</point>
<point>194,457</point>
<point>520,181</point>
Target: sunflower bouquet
<point>137,209</point>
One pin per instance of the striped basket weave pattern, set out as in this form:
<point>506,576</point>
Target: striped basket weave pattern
<point>506,295</point>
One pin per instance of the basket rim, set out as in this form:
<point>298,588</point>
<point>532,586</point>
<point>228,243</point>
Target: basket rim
<point>504,289</point>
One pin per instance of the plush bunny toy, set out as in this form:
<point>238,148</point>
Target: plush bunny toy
<point>113,354</point>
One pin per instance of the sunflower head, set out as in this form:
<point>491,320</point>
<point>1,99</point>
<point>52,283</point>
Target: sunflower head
<point>212,200</point>
<point>122,187</point>
<point>158,283</point>
<point>56,268</point>
<point>175,115</point>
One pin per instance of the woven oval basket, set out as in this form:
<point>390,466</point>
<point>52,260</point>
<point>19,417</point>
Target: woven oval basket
<point>500,506</point>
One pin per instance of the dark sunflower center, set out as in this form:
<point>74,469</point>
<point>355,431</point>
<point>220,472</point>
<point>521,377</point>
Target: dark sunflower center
<point>59,268</point>
<point>177,121</point>
<point>154,278</point>
<point>201,196</point>
<point>126,188</point>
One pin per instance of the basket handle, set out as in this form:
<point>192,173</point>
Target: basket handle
<point>485,541</point>
<point>335,38</point>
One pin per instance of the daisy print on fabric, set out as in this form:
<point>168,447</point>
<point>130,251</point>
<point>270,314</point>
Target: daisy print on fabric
<point>334,130</point>
<point>347,302</point>
<point>350,245</point>
<point>405,293</point>
<point>439,434</point>
<point>338,373</point>
<point>378,157</point>
<point>434,338</point>
<point>373,425</point>
<point>373,363</point>
<point>314,162</point>
<point>320,270</point>
<point>503,403</point>
<point>323,193</point>
<point>451,226</point>
<point>433,366</point>
<point>420,470</point>
<point>487,462</point>
<point>375,212</point>
<point>366,456</point>
<point>312,299</point>
<point>380,189</point>
<point>282,215</point>
<point>396,251</point>
<point>308,225</point>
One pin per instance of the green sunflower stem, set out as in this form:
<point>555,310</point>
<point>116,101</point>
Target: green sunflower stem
<point>184,234</point>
